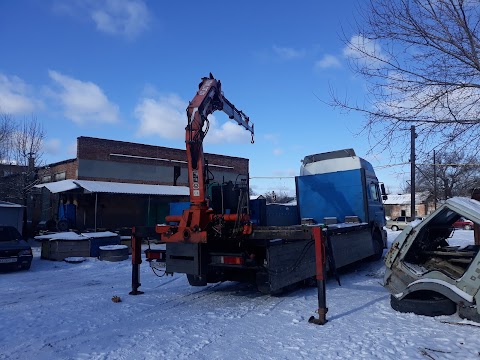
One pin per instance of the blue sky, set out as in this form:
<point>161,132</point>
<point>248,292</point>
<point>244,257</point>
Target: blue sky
<point>126,69</point>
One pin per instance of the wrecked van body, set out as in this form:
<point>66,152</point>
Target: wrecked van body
<point>424,270</point>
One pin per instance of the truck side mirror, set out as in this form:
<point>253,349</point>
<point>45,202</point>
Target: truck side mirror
<point>384,193</point>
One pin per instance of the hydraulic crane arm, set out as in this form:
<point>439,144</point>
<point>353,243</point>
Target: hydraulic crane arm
<point>208,99</point>
<point>192,224</point>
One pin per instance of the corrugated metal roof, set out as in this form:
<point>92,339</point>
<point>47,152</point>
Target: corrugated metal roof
<point>404,199</point>
<point>128,188</point>
<point>115,187</point>
<point>9,204</point>
<point>59,186</point>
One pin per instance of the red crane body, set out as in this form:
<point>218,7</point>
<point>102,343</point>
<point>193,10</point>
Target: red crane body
<point>193,222</point>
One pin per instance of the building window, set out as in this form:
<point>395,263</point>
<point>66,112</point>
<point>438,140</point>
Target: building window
<point>46,178</point>
<point>60,176</point>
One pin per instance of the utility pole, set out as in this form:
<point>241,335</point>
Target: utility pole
<point>434,180</point>
<point>412,171</point>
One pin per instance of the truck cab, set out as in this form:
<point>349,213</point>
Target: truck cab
<point>341,187</point>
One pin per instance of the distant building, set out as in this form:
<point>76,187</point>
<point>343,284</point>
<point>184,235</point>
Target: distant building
<point>12,179</point>
<point>400,205</point>
<point>114,184</point>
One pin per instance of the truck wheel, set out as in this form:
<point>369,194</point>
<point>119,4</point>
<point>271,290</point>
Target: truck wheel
<point>467,227</point>
<point>394,228</point>
<point>427,304</point>
<point>196,280</point>
<point>377,248</point>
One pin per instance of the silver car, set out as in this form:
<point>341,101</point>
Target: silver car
<point>398,223</point>
<point>428,275</point>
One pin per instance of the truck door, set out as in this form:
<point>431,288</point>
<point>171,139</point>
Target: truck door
<point>376,211</point>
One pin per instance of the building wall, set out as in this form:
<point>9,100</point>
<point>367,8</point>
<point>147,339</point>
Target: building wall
<point>109,160</point>
<point>404,210</point>
<point>119,161</point>
<point>67,169</point>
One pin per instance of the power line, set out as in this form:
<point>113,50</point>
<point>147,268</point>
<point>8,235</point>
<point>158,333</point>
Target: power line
<point>272,177</point>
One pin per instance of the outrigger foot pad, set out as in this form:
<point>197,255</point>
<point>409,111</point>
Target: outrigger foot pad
<point>322,319</point>
<point>135,292</point>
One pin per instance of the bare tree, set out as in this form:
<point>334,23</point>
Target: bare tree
<point>20,145</point>
<point>421,62</point>
<point>7,127</point>
<point>280,198</point>
<point>456,174</point>
<point>27,142</point>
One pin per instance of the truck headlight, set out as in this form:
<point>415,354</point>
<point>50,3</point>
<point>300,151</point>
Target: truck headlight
<point>25,252</point>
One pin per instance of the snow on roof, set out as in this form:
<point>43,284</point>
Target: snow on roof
<point>9,204</point>
<point>99,234</point>
<point>404,199</point>
<point>59,186</point>
<point>115,187</point>
<point>70,235</point>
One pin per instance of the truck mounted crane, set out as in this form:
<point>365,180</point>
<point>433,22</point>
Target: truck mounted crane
<point>337,195</point>
<point>195,222</point>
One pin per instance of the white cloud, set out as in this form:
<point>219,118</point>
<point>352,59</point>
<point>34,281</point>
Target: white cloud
<point>121,17</point>
<point>274,138</point>
<point>327,62</point>
<point>166,117</point>
<point>83,102</point>
<point>127,18</point>
<point>228,132</point>
<point>362,49</point>
<point>72,149</point>
<point>15,96</point>
<point>288,53</point>
<point>52,146</point>
<point>277,152</point>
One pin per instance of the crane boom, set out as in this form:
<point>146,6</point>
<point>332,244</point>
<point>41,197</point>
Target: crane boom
<point>208,99</point>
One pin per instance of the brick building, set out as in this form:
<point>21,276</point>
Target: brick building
<point>12,183</point>
<point>112,184</point>
<point>400,205</point>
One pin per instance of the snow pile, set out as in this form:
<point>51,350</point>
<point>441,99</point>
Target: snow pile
<point>60,311</point>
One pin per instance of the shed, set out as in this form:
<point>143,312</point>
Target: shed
<point>400,205</point>
<point>11,214</point>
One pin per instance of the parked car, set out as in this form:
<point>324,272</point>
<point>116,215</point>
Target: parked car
<point>428,275</point>
<point>15,252</point>
<point>398,223</point>
<point>463,223</point>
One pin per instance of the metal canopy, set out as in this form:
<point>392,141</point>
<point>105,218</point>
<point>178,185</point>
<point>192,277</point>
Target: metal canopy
<point>59,186</point>
<point>115,188</point>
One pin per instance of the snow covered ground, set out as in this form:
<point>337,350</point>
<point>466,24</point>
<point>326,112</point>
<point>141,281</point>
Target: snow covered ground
<point>59,310</point>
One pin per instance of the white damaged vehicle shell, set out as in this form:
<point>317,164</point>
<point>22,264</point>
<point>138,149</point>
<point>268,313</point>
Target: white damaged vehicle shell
<point>421,260</point>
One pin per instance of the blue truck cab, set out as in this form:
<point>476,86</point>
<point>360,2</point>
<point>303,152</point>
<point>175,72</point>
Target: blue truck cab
<point>339,187</point>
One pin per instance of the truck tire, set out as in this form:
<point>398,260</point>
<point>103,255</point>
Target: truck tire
<point>427,304</point>
<point>394,228</point>
<point>377,247</point>
<point>196,280</point>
